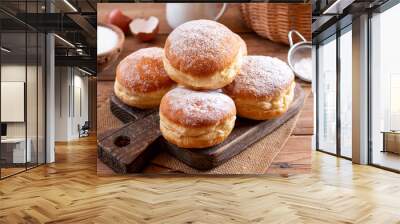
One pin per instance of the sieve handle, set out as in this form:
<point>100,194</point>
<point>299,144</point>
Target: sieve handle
<point>221,12</point>
<point>290,35</point>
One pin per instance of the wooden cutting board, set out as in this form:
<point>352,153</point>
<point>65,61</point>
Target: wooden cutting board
<point>130,148</point>
<point>126,113</point>
<point>145,139</point>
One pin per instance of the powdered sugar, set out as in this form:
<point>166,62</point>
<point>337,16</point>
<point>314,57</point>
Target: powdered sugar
<point>261,76</point>
<point>198,107</point>
<point>143,70</point>
<point>303,67</point>
<point>202,43</point>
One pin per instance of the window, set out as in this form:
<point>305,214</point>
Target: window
<point>385,89</point>
<point>346,75</point>
<point>326,98</point>
<point>334,106</point>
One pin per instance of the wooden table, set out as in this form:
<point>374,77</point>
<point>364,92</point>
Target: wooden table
<point>391,141</point>
<point>295,156</point>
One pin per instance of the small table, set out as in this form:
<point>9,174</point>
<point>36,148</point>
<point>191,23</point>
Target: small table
<point>391,141</point>
<point>13,150</point>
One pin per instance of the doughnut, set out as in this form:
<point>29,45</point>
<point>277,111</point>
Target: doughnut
<point>263,89</point>
<point>141,80</point>
<point>203,54</point>
<point>196,119</point>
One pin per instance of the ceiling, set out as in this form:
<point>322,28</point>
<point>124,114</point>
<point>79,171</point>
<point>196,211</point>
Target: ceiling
<point>332,15</point>
<point>57,5</point>
<point>23,21</point>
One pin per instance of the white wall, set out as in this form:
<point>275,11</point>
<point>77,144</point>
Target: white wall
<point>69,82</point>
<point>14,73</point>
<point>61,103</point>
<point>80,84</point>
<point>17,73</point>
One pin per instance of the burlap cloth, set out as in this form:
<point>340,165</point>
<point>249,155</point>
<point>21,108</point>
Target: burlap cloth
<point>254,160</point>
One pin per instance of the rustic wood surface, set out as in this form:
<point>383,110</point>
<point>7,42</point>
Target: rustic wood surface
<point>293,157</point>
<point>231,18</point>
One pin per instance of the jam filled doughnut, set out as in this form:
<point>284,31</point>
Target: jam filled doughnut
<point>203,54</point>
<point>196,119</point>
<point>141,80</point>
<point>263,89</point>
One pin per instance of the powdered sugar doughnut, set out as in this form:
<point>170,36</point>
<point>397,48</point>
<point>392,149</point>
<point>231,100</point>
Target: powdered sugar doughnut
<point>196,119</point>
<point>141,80</point>
<point>203,54</point>
<point>263,89</point>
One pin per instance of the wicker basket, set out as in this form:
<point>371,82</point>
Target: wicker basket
<point>275,20</point>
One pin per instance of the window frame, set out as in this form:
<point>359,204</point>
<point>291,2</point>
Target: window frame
<point>333,37</point>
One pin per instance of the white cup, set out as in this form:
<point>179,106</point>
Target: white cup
<point>179,13</point>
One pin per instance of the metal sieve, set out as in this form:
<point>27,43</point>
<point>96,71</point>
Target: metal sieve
<point>298,51</point>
